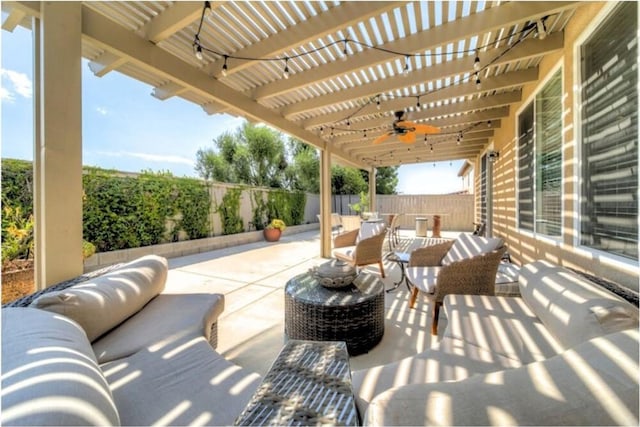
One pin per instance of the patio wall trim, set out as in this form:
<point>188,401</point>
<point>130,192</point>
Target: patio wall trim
<point>187,247</point>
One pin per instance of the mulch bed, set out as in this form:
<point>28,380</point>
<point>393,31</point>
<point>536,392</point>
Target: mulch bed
<point>17,280</point>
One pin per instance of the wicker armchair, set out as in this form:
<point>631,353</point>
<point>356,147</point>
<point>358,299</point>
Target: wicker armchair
<point>362,246</point>
<point>467,265</point>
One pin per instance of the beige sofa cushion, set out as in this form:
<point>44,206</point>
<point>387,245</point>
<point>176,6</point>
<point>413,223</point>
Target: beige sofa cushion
<point>166,319</point>
<point>573,308</point>
<point>452,360</point>
<point>595,383</point>
<point>467,246</point>
<point>101,304</point>
<point>186,383</point>
<point>504,325</point>
<point>49,373</point>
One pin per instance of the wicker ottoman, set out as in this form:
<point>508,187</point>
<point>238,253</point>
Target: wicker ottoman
<point>353,314</point>
<point>309,384</point>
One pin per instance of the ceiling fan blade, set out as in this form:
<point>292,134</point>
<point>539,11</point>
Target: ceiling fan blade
<point>427,129</point>
<point>381,138</point>
<point>405,124</point>
<point>407,138</point>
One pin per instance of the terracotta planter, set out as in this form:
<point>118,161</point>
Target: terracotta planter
<point>272,234</point>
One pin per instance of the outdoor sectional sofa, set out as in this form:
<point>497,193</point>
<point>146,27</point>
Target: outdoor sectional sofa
<point>564,353</point>
<point>116,350</point>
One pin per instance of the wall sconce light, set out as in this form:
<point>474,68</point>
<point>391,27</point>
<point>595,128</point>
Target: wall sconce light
<point>493,156</point>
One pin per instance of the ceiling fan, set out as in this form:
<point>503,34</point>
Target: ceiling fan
<point>406,130</point>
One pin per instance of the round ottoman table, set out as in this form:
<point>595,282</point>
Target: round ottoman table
<point>353,314</point>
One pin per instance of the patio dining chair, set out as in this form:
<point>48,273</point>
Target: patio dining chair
<point>362,246</point>
<point>467,265</point>
<point>392,232</point>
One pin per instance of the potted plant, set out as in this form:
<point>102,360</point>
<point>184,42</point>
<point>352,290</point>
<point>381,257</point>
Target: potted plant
<point>273,231</point>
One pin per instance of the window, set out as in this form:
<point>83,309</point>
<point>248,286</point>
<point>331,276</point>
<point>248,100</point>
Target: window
<point>540,161</point>
<point>483,189</point>
<point>609,135</point>
<point>525,168</point>
<point>548,137</point>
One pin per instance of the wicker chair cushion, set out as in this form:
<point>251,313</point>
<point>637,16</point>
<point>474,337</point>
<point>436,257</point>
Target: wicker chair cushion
<point>573,308</point>
<point>370,229</point>
<point>347,253</point>
<point>49,373</point>
<point>103,303</point>
<point>424,278</point>
<point>467,246</point>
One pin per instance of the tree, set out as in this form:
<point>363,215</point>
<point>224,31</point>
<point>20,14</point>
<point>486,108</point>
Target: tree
<point>253,155</point>
<point>346,180</point>
<point>387,180</point>
<point>303,173</point>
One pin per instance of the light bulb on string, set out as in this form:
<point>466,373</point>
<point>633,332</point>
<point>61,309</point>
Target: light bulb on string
<point>478,82</point>
<point>378,102</point>
<point>476,62</point>
<point>285,73</point>
<point>405,72</point>
<point>208,9</point>
<point>489,123</point>
<point>224,67</point>
<point>542,31</point>
<point>197,49</point>
<point>418,103</point>
<point>343,58</point>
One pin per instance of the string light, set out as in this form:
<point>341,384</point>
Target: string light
<point>285,73</point>
<point>537,26</point>
<point>476,62</point>
<point>489,123</point>
<point>197,48</point>
<point>542,31</point>
<point>224,67</point>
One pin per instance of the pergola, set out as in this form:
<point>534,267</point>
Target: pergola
<point>329,73</point>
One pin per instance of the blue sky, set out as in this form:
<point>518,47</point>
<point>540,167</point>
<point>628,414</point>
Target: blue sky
<point>127,129</point>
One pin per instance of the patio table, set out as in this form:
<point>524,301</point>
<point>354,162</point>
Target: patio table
<point>353,314</point>
<point>309,383</point>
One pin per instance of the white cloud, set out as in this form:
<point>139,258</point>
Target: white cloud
<point>102,110</point>
<point>161,158</point>
<point>17,82</point>
<point>5,95</point>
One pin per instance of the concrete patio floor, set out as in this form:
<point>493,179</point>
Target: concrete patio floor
<point>252,278</point>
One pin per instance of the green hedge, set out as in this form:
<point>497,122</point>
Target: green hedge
<point>129,212</point>
<point>121,212</point>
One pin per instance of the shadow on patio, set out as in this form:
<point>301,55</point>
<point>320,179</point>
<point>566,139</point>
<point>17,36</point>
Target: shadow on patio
<point>252,278</point>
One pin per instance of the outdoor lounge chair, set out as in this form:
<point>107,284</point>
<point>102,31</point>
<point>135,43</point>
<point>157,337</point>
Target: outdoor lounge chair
<point>467,265</point>
<point>362,246</point>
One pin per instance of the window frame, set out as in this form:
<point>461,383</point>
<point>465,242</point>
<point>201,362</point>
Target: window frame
<point>531,100</point>
<point>615,260</point>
